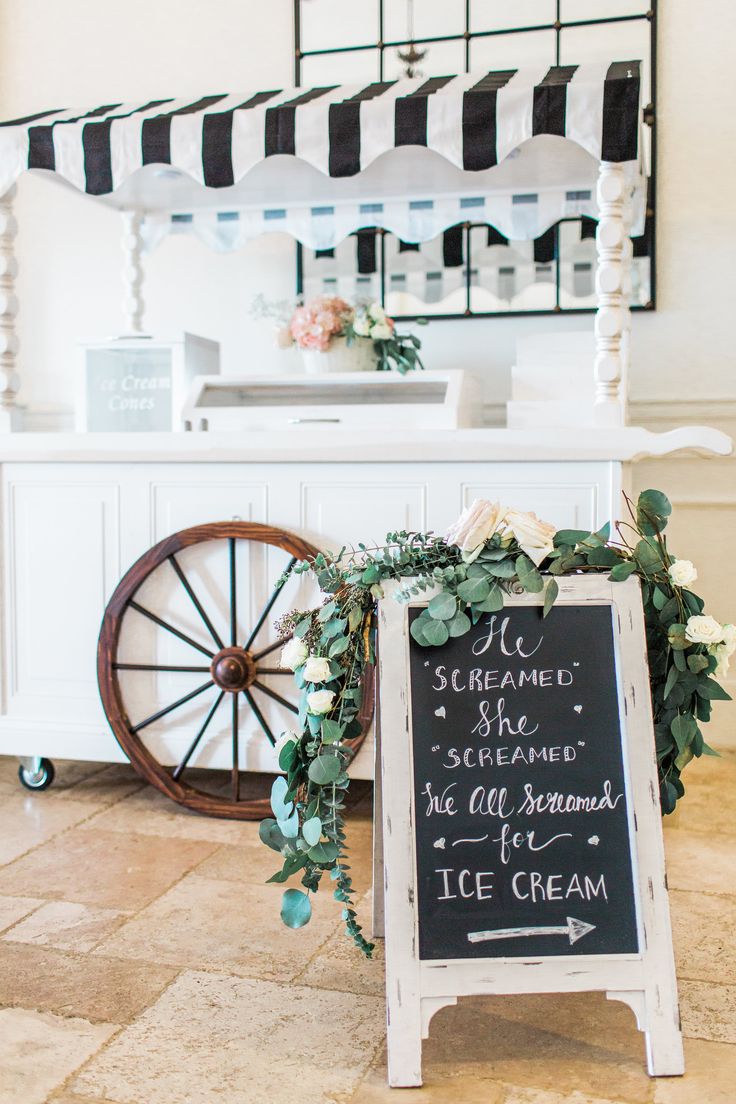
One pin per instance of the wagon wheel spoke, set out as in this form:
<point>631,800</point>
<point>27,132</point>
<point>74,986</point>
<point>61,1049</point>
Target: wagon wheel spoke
<point>259,716</point>
<point>170,628</point>
<point>276,697</point>
<point>269,604</point>
<point>195,601</point>
<point>271,648</point>
<point>233,595</point>
<point>269,671</point>
<point>192,747</point>
<point>156,667</point>
<point>174,705</point>
<point>236,763</point>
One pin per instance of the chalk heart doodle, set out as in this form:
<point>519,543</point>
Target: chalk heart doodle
<point>441,712</point>
<point>578,708</point>
<point>440,843</point>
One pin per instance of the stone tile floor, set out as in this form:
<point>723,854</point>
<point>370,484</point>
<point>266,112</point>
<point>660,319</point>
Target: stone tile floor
<point>142,961</point>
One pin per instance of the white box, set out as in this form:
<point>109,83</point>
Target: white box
<point>139,383</point>
<point>367,400</point>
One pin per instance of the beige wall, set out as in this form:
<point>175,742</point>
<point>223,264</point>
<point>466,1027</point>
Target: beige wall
<point>84,51</point>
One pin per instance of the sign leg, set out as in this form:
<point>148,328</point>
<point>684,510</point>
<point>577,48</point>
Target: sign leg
<point>379,907</point>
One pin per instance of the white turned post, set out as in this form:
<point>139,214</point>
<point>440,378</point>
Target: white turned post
<point>610,320</point>
<point>10,413</point>
<point>133,303</point>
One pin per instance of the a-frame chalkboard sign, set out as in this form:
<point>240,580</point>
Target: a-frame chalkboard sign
<point>521,826</point>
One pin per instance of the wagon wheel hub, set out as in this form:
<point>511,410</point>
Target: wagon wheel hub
<point>233,669</point>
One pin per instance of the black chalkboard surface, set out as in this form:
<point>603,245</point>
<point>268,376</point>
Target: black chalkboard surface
<point>522,832</point>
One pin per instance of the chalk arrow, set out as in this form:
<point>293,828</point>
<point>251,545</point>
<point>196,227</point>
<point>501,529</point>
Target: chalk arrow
<point>573,929</point>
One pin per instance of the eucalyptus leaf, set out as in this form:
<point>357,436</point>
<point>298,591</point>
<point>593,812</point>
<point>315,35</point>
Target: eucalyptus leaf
<point>622,570</point>
<point>324,852</point>
<point>280,803</point>
<point>442,607</point>
<point>459,625</point>
<point>312,830</point>
<point>711,690</point>
<point>296,908</point>
<point>289,826</point>
<point>550,594</point>
<point>475,589</point>
<point>324,769</point>
<point>653,510</point>
<point>436,633</point>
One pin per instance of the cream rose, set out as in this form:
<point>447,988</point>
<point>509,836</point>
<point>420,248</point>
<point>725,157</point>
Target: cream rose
<point>476,524</point>
<point>729,635</point>
<point>703,629</point>
<point>682,573</point>
<point>535,537</point>
<point>317,669</point>
<point>293,653</point>
<point>320,701</point>
<point>723,654</point>
<point>377,312</point>
<point>362,326</point>
<point>288,737</point>
<point>381,331</point>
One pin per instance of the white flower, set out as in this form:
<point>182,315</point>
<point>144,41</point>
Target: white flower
<point>288,737</point>
<point>533,536</point>
<point>320,701</point>
<point>703,629</point>
<point>682,573</point>
<point>381,332</point>
<point>362,326</point>
<point>723,654</point>
<point>317,669</point>
<point>293,653</point>
<point>729,635</point>
<point>476,524</point>
<point>377,313</point>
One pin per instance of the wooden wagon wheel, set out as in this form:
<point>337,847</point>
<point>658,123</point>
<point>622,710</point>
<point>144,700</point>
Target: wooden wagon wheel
<point>229,668</point>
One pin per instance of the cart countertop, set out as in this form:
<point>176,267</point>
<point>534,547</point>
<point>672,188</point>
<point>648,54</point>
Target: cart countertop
<point>302,445</point>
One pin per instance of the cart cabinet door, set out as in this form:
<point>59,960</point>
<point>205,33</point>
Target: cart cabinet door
<point>61,562</point>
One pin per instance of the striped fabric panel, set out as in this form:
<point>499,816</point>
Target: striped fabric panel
<point>344,129</point>
<point>550,101</point>
<point>480,104</point>
<point>217,141</point>
<point>280,136</point>
<point>410,113</point>
<point>41,149</point>
<point>156,132</point>
<point>515,109</point>
<point>97,149</point>
<point>31,118</point>
<point>620,135</point>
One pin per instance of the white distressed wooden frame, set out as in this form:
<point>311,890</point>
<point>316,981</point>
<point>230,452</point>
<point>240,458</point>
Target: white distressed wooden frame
<point>417,989</point>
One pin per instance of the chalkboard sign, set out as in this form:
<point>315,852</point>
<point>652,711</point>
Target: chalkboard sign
<point>522,829</point>
<point>520,836</point>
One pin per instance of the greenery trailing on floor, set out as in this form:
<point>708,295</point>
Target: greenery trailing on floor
<point>488,555</point>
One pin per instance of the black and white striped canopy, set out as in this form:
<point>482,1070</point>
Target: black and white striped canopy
<point>319,144</point>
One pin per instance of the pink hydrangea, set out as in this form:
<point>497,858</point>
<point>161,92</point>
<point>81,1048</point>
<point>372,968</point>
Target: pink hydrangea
<point>315,324</point>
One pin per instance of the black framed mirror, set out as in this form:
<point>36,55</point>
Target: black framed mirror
<point>471,269</point>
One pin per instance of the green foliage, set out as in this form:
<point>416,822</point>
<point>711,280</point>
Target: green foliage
<point>308,804</point>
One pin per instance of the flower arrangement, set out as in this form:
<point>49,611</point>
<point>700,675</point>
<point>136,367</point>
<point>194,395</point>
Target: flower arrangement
<point>489,553</point>
<point>314,326</point>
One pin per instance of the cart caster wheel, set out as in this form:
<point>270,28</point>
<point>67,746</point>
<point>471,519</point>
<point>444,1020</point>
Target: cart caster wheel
<point>38,776</point>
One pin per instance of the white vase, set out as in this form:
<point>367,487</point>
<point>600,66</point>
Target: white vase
<point>360,356</point>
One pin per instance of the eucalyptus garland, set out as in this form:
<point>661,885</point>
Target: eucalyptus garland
<point>490,554</point>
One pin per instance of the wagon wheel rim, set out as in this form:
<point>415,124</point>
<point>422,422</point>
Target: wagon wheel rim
<point>234,667</point>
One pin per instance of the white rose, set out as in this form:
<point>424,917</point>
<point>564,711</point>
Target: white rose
<point>381,332</point>
<point>362,326</point>
<point>288,737</point>
<point>377,312</point>
<point>682,573</point>
<point>723,653</point>
<point>293,653</point>
<point>729,636</point>
<point>320,701</point>
<point>703,629</point>
<point>317,669</point>
<point>533,536</point>
<point>476,524</point>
